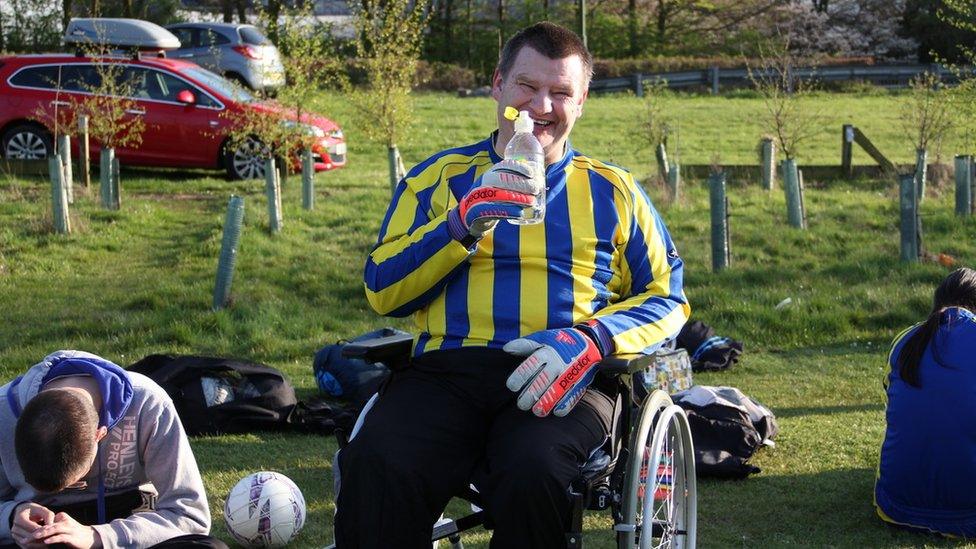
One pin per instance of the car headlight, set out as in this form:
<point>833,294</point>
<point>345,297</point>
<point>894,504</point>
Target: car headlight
<point>310,129</point>
<point>336,134</point>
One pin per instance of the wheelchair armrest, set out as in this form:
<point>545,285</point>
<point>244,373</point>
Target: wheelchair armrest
<point>387,349</point>
<point>624,363</point>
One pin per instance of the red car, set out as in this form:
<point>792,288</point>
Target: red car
<point>186,109</point>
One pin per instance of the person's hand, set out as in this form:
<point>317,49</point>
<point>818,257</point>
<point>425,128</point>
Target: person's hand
<point>560,365</point>
<point>505,191</point>
<point>27,518</point>
<point>68,531</point>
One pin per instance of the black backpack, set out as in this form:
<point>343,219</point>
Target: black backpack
<point>727,428</point>
<point>214,395</point>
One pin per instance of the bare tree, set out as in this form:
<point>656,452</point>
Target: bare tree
<point>786,118</point>
<point>389,42</point>
<point>927,112</point>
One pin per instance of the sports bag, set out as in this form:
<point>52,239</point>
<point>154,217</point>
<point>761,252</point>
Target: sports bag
<point>727,428</point>
<point>351,379</point>
<point>215,395</point>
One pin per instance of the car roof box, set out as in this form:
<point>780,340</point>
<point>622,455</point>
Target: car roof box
<point>120,33</point>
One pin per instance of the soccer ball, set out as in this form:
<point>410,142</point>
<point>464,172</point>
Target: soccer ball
<point>264,509</point>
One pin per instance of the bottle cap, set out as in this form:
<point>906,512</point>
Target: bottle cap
<point>523,123</point>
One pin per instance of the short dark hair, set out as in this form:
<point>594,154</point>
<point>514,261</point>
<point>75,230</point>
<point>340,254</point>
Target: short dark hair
<point>549,39</point>
<point>54,439</point>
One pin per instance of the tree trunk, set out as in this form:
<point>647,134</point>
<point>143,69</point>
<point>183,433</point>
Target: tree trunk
<point>663,12</point>
<point>545,10</point>
<point>241,11</point>
<point>449,29</point>
<point>501,21</point>
<point>227,8</point>
<point>469,23</point>
<point>65,15</point>
<point>274,10</point>
<point>127,8</point>
<point>94,9</point>
<point>632,26</point>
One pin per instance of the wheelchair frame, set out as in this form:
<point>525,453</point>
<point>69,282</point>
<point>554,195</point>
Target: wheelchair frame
<point>658,460</point>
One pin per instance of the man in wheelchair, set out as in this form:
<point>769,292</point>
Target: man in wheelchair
<point>512,318</point>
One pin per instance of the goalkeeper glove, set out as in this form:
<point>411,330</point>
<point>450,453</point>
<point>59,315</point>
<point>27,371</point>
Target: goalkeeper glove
<point>504,192</point>
<point>561,364</point>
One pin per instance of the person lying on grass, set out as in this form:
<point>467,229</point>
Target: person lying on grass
<point>78,437</point>
<point>928,459</point>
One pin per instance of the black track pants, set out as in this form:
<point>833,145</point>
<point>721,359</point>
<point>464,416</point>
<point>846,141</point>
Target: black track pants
<point>445,422</point>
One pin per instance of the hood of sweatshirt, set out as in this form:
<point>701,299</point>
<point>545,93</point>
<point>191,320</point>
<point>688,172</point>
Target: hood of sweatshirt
<point>113,382</point>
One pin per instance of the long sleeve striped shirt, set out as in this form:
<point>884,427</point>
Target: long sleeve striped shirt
<point>602,253</point>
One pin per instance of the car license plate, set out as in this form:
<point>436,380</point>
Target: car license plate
<point>340,148</point>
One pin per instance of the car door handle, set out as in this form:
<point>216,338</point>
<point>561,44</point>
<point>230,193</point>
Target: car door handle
<point>137,112</point>
<point>214,123</point>
<point>185,55</point>
<point>60,104</point>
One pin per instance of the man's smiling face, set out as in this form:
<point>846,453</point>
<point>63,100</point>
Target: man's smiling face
<point>552,90</point>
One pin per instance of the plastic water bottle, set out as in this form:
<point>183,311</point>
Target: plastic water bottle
<point>525,148</point>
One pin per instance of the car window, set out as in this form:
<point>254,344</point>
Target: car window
<point>46,76</point>
<point>170,86</point>
<point>136,83</point>
<point>210,38</point>
<point>218,83</point>
<point>185,36</point>
<point>80,77</point>
<point>251,35</point>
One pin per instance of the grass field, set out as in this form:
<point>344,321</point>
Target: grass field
<point>139,281</point>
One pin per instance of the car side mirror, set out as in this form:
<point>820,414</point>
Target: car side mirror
<point>186,97</point>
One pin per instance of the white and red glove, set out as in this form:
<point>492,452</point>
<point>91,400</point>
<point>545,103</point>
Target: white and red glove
<point>504,192</point>
<point>561,364</point>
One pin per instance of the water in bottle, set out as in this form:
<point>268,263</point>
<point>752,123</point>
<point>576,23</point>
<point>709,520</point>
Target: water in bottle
<point>525,148</point>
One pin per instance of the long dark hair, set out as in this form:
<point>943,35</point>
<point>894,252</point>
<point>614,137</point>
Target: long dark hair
<point>957,290</point>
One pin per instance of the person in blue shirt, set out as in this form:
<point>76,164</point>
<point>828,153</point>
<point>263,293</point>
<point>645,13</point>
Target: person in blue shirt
<point>927,470</point>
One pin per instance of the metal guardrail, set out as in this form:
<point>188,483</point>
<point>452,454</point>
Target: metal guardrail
<point>888,76</point>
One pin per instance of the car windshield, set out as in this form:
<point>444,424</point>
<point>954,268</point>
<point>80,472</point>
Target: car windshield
<point>251,35</point>
<point>219,84</point>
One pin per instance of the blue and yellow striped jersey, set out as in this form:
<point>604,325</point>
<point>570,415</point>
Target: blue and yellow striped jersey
<point>602,252</point>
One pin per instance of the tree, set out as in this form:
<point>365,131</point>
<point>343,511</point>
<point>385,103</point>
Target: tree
<point>843,27</point>
<point>927,112</point>
<point>389,39</point>
<point>786,118</point>
<point>310,63</point>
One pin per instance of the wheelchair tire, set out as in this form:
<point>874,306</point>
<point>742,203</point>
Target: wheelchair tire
<point>668,517</point>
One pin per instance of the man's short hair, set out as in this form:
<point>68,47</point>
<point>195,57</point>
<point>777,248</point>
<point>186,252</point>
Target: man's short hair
<point>550,40</point>
<point>55,439</point>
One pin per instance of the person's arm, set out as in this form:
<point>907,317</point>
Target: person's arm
<point>654,306</point>
<point>181,506</point>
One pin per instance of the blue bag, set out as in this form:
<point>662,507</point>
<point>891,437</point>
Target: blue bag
<point>350,379</point>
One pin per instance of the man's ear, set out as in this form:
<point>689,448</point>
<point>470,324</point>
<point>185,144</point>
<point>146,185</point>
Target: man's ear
<point>100,433</point>
<point>579,106</point>
<point>496,85</point>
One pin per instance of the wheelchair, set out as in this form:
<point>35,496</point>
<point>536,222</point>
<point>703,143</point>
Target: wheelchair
<point>644,474</point>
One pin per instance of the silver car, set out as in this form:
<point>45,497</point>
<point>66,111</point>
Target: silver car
<point>239,52</point>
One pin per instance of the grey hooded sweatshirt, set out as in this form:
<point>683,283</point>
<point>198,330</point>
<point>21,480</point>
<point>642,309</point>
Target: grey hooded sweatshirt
<point>145,443</point>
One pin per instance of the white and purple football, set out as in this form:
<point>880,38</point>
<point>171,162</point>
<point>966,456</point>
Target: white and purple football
<point>264,509</point>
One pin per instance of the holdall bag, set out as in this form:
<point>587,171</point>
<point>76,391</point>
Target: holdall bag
<point>350,379</point>
<point>215,395</point>
<point>728,427</point>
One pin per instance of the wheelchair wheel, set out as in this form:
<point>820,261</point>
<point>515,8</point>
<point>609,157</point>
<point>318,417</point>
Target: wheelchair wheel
<point>659,493</point>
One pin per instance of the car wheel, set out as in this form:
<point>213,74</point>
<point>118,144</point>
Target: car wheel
<point>246,160</point>
<point>27,142</point>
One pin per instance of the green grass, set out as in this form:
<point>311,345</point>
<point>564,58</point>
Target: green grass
<point>140,281</point>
